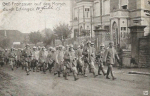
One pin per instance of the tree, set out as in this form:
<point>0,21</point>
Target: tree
<point>48,37</point>
<point>35,37</point>
<point>5,43</point>
<point>62,31</point>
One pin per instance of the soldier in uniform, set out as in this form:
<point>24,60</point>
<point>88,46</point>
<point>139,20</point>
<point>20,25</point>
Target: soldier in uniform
<point>86,56</point>
<point>60,57</point>
<point>73,63</point>
<point>18,61</point>
<point>93,50</point>
<point>12,57</point>
<point>27,54</point>
<point>2,56</point>
<point>42,59</point>
<point>49,60</point>
<point>35,57</point>
<point>92,60</point>
<point>6,59</point>
<point>54,59</point>
<point>79,59</point>
<point>110,56</point>
<point>101,54</point>
<point>66,62</point>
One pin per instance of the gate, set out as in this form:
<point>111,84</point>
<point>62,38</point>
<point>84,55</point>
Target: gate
<point>144,52</point>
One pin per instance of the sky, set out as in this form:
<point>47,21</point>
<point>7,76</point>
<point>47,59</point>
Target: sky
<point>27,22</point>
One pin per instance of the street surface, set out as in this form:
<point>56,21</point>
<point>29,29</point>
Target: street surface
<point>17,83</point>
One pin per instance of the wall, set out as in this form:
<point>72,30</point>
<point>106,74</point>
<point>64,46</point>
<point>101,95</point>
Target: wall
<point>114,5</point>
<point>132,4</point>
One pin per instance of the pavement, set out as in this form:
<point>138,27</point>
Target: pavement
<point>17,83</point>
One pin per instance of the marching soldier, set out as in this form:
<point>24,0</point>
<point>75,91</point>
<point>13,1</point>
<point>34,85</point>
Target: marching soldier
<point>12,57</point>
<point>101,59</point>
<point>49,60</point>
<point>93,50</point>
<point>2,56</point>
<point>66,62</point>
<point>42,59</point>
<point>73,62</point>
<point>60,57</point>
<point>79,59</point>
<point>27,54</point>
<point>35,57</point>
<point>110,56</point>
<point>55,60</point>
<point>86,54</point>
<point>89,58</point>
<point>18,61</point>
<point>6,59</point>
<point>92,60</point>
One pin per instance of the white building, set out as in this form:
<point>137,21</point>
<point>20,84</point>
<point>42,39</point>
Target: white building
<point>113,15</point>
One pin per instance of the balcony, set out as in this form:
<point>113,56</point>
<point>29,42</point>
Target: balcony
<point>120,13</point>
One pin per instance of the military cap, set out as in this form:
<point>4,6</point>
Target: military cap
<point>102,44</point>
<point>88,42</point>
<point>71,46</point>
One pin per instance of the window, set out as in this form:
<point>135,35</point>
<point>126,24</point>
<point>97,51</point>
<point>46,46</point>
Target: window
<point>123,32</point>
<point>106,8</point>
<point>107,36</point>
<point>124,4</point>
<point>87,13</point>
<point>123,28</point>
<point>87,9</point>
<point>124,7</point>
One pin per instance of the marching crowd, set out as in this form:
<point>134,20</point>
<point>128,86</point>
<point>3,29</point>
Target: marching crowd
<point>63,60</point>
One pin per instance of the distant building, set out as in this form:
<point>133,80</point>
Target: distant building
<point>113,15</point>
<point>13,35</point>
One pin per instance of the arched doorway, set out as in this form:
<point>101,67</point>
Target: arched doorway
<point>115,33</point>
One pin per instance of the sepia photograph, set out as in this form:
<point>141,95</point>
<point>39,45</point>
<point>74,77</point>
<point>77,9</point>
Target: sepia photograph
<point>74,47</point>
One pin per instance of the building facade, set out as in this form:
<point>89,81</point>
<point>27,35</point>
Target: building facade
<point>113,15</point>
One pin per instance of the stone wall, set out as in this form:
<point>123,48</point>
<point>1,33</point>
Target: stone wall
<point>126,58</point>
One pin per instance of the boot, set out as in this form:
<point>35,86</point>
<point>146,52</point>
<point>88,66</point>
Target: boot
<point>75,78</point>
<point>99,71</point>
<point>55,73</point>
<point>27,72</point>
<point>107,77</point>
<point>94,74</point>
<point>66,77</point>
<point>84,74</point>
<point>33,69</point>
<point>58,74</point>
<point>113,78</point>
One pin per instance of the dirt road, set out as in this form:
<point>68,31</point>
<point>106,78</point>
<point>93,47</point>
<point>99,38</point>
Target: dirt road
<point>17,83</point>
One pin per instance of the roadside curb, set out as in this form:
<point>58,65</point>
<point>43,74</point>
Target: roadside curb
<point>140,73</point>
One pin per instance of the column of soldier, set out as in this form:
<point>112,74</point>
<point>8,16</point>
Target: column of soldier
<point>63,60</point>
